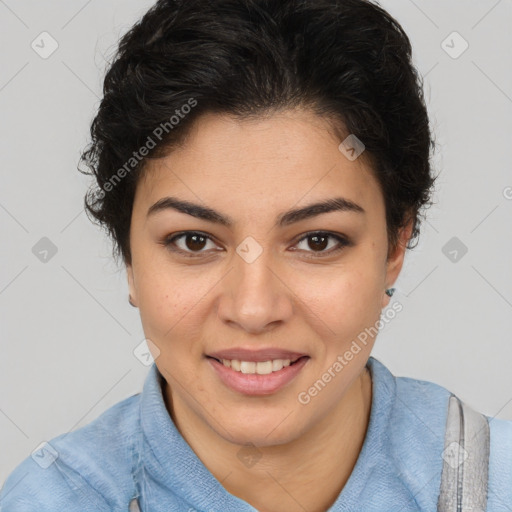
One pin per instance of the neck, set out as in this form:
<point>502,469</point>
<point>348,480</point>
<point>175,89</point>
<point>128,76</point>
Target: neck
<point>295,476</point>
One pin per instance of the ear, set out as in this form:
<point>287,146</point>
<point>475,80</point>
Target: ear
<point>396,258</point>
<point>131,284</point>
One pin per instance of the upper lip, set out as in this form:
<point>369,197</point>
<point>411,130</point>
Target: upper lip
<point>265,354</point>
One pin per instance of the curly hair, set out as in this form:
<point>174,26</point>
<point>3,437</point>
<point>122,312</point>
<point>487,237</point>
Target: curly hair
<point>346,60</point>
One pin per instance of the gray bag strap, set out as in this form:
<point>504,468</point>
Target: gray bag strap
<point>134,505</point>
<point>465,473</point>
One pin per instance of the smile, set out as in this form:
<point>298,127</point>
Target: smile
<point>257,378</point>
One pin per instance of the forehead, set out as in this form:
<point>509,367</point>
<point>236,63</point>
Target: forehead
<point>277,159</point>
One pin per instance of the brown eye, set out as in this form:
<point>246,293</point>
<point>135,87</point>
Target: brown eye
<point>195,242</point>
<point>189,242</point>
<point>319,241</point>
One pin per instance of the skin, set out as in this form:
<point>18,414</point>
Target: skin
<point>310,300</point>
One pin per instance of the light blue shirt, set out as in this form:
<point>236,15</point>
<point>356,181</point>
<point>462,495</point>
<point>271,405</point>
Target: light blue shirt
<point>134,450</point>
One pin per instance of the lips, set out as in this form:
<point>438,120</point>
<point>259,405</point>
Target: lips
<point>256,356</point>
<point>257,384</point>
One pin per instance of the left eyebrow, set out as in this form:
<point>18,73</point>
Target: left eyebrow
<point>285,219</point>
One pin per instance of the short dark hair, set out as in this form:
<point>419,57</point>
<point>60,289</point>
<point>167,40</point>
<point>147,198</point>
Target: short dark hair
<point>347,60</point>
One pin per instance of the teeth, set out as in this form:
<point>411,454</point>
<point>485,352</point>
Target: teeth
<point>247,366</point>
<point>264,367</point>
<point>260,368</point>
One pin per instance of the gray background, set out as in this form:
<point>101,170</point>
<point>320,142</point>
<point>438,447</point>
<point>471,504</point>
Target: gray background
<point>67,331</point>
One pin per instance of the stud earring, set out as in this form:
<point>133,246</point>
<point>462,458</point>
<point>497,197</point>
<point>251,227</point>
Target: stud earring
<point>390,291</point>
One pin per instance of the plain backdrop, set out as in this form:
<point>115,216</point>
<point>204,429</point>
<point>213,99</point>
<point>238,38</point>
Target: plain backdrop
<point>67,331</point>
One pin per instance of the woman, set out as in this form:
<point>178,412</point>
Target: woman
<point>262,168</point>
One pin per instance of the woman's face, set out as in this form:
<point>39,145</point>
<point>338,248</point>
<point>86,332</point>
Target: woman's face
<point>248,281</point>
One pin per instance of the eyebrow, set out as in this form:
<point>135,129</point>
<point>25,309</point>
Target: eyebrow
<point>337,204</point>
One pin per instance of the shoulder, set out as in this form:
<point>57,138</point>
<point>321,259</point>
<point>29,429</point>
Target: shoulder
<point>411,415</point>
<point>87,469</point>
<point>417,431</point>
<point>417,408</point>
<point>500,464</point>
<point>416,436</point>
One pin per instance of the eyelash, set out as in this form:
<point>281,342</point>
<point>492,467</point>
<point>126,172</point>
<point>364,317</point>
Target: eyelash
<point>343,242</point>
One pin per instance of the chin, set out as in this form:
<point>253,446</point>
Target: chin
<point>256,438</point>
<point>266,431</point>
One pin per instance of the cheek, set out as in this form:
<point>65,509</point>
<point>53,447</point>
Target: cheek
<point>344,299</point>
<point>172,310</point>
<point>163,302</point>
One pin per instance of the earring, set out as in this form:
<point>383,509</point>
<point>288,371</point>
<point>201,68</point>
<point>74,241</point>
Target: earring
<point>130,300</point>
<point>390,291</point>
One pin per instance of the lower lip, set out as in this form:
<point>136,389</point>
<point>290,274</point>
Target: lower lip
<point>254,384</point>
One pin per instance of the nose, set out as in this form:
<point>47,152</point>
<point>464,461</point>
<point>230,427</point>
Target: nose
<point>256,296</point>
